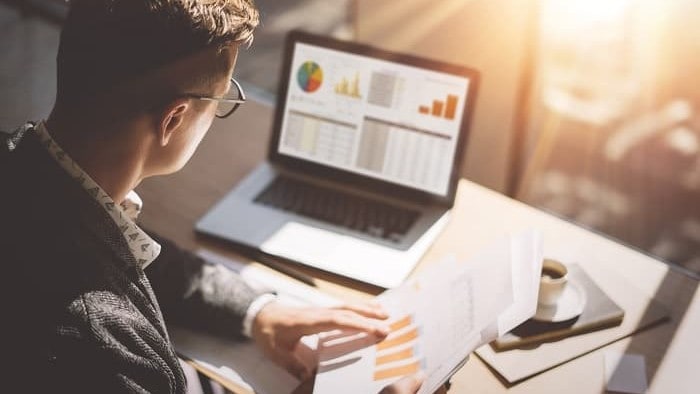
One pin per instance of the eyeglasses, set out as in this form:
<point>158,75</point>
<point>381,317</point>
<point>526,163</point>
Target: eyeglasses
<point>227,104</point>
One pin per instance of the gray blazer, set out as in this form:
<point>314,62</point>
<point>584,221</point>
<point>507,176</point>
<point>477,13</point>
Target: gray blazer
<point>80,315</point>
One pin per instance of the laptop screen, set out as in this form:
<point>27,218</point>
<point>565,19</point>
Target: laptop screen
<point>373,117</point>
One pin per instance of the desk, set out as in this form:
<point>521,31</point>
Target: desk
<point>236,145</point>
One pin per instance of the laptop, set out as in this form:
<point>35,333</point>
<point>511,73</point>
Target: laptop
<point>362,166</point>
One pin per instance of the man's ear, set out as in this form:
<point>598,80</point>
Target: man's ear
<point>171,119</point>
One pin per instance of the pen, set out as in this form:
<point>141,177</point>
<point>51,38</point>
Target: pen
<point>306,279</point>
<point>228,384</point>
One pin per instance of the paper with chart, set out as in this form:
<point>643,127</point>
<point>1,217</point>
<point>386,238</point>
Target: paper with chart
<point>437,319</point>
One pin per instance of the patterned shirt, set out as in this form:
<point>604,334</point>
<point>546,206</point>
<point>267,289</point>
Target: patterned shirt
<point>142,247</point>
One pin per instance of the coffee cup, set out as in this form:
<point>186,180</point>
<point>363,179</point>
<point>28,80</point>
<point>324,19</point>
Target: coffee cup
<point>553,279</point>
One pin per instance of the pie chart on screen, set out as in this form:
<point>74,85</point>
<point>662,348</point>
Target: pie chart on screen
<point>310,76</point>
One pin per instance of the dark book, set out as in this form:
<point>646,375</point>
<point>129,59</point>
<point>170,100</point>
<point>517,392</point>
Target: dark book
<point>599,312</point>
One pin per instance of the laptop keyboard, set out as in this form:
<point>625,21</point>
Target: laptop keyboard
<point>358,213</point>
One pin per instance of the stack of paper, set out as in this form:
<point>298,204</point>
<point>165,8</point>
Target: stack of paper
<point>438,318</point>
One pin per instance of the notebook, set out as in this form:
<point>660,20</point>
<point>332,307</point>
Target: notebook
<point>641,312</point>
<point>600,312</point>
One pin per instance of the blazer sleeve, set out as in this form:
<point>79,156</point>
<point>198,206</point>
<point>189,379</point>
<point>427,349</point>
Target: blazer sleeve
<point>197,293</point>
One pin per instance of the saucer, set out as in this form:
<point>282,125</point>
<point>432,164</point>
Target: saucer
<point>570,304</point>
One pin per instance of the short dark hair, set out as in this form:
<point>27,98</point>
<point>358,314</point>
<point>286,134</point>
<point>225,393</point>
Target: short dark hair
<point>107,42</point>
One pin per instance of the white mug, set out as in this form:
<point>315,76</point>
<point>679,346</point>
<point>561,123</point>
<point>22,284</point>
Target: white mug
<point>553,281</point>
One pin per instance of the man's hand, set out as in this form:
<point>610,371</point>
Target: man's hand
<point>409,384</point>
<point>277,329</point>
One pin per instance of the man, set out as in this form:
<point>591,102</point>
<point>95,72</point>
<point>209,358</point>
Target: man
<point>87,291</point>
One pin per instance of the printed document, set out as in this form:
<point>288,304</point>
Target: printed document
<point>437,319</point>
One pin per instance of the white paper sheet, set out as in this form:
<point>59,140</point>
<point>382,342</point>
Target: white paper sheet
<point>438,319</point>
<point>526,255</point>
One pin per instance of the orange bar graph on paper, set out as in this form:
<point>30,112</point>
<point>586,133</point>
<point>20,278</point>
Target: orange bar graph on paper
<point>396,356</point>
<point>424,109</point>
<point>401,323</point>
<point>437,107</point>
<point>398,340</point>
<point>397,371</point>
<point>451,108</point>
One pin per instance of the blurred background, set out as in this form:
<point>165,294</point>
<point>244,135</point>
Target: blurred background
<point>588,109</point>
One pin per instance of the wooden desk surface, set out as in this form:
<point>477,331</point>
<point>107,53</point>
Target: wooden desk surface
<point>236,145</point>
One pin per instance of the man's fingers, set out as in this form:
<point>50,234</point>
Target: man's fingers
<point>307,321</point>
<point>334,319</point>
<point>372,310</point>
<point>407,385</point>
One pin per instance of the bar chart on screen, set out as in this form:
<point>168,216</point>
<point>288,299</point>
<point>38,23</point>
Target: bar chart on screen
<point>446,109</point>
<point>349,87</point>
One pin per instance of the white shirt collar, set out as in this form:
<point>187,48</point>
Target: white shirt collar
<point>142,247</point>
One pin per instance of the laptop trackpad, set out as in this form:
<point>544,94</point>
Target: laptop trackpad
<point>301,242</point>
<point>346,255</point>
